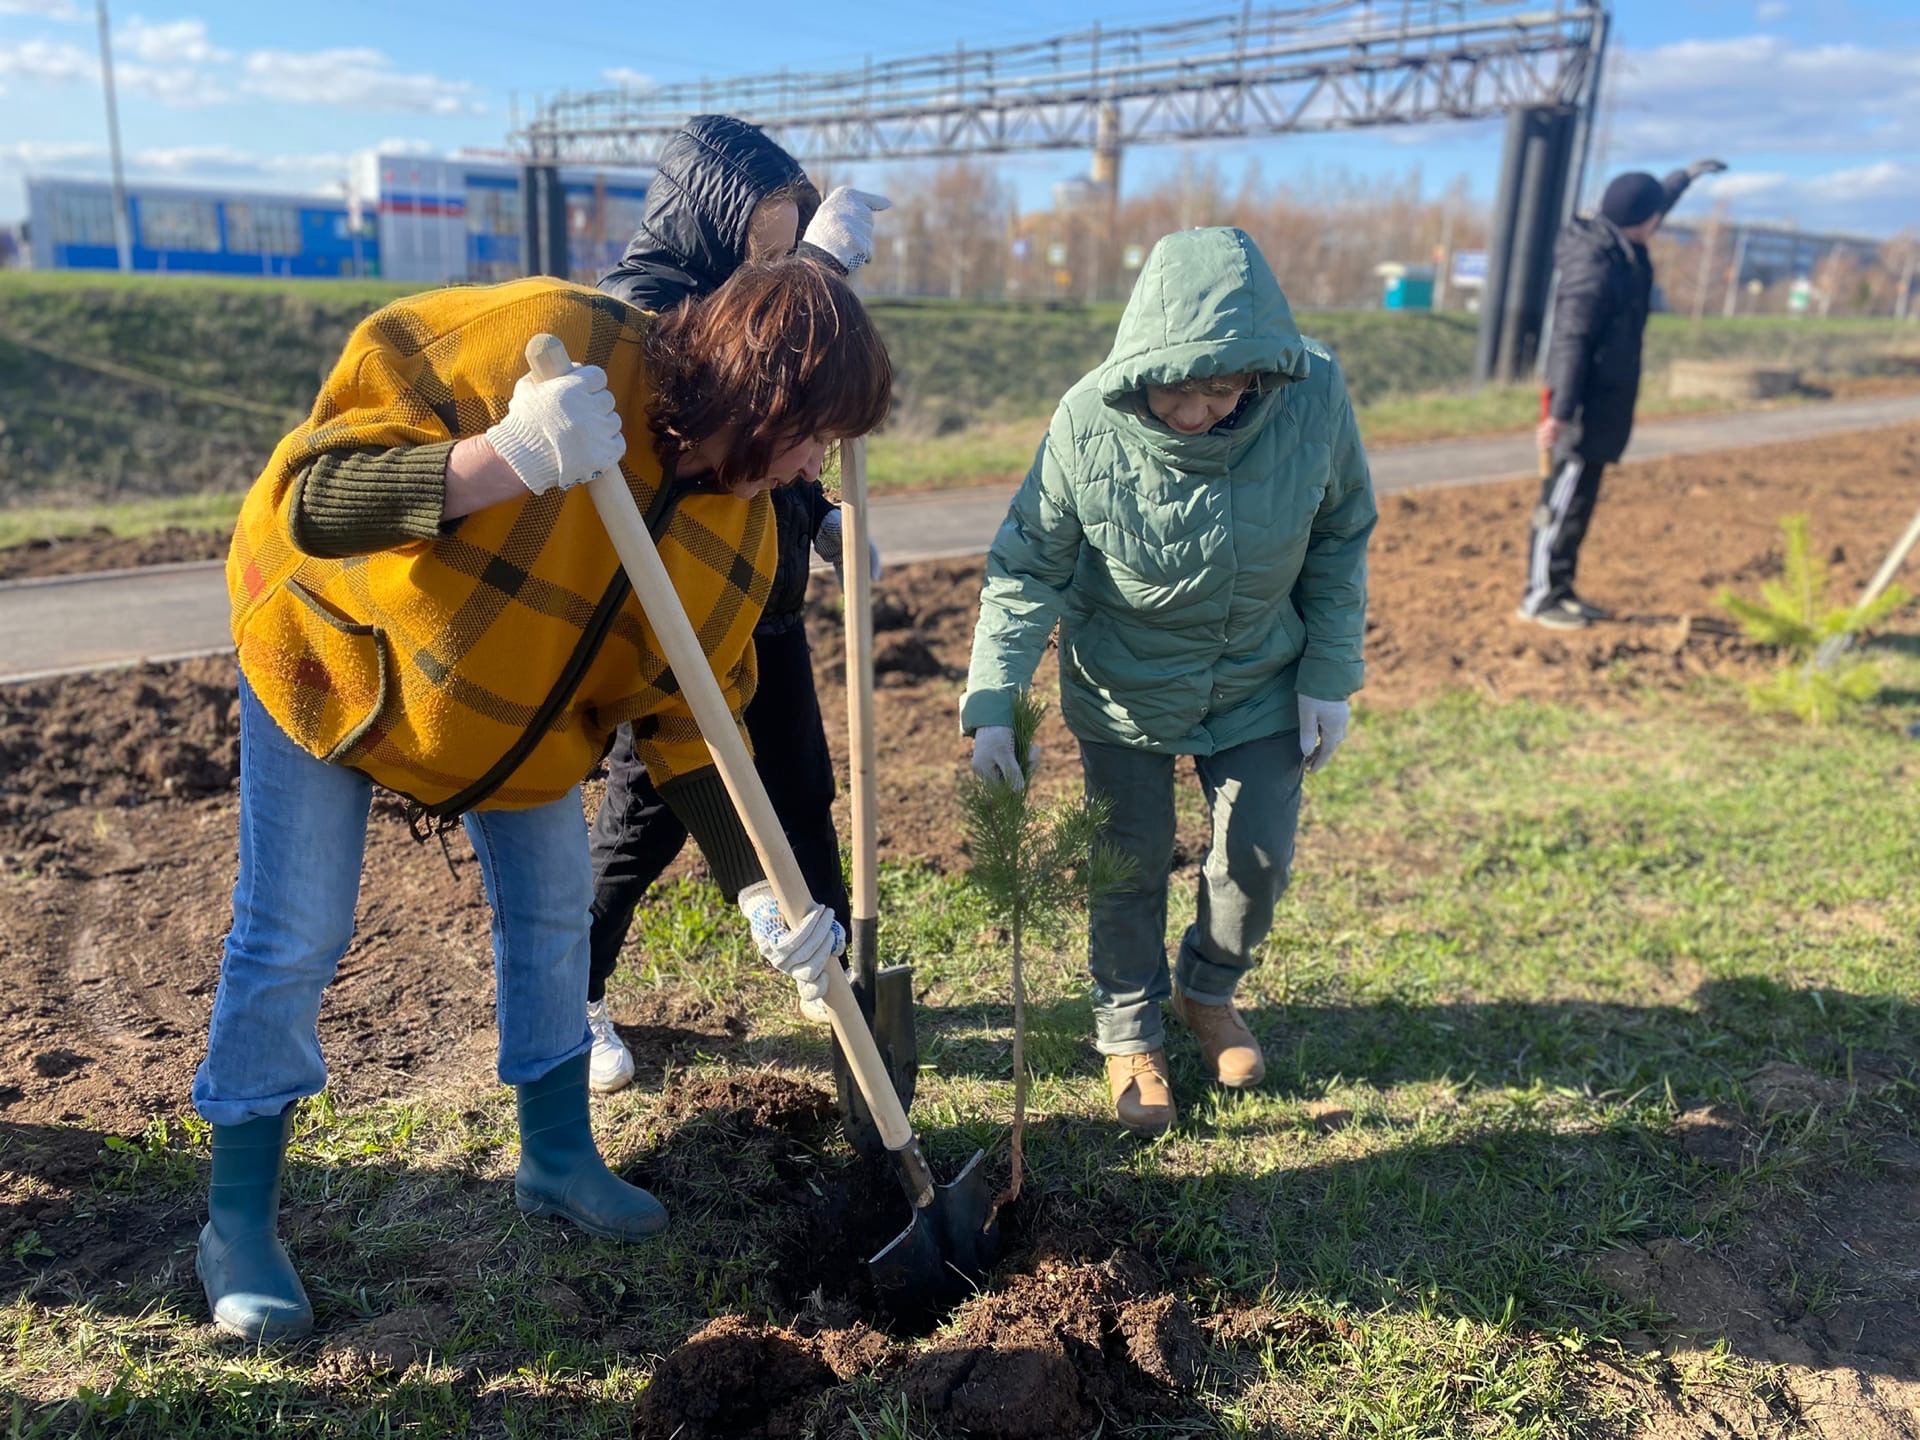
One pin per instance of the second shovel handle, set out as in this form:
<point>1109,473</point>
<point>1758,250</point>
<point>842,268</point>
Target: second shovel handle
<point>861,749</point>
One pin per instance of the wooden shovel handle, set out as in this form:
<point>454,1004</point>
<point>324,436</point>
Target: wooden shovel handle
<point>862,752</point>
<point>547,358</point>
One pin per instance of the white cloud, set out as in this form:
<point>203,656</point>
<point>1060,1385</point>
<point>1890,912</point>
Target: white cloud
<point>1875,198</point>
<point>177,42</point>
<point>180,89</point>
<point>1759,93</point>
<point>359,79</point>
<point>1769,11</point>
<point>47,62</point>
<point>1777,112</point>
<point>624,78</point>
<point>43,9</point>
<point>34,155</point>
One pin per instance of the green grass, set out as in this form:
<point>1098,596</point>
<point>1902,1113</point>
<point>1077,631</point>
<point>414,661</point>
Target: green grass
<point>114,388</point>
<point>1521,938</point>
<point>129,518</point>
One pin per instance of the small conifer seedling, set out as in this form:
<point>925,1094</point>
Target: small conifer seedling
<point>1033,865</point>
<point>1795,616</point>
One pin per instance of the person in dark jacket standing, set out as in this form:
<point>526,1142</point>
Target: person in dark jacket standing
<point>1593,377</point>
<point>725,195</point>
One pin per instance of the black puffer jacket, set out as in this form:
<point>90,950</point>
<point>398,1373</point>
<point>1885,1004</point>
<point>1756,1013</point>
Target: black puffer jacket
<point>1599,319</point>
<point>692,236</point>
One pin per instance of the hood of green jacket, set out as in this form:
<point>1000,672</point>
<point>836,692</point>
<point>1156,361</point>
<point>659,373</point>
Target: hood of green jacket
<point>1206,304</point>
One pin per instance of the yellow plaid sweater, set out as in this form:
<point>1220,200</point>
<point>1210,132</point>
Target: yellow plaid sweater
<point>488,666</point>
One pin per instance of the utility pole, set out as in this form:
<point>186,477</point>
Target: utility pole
<point>1732,306</point>
<point>1902,311</point>
<point>1709,244</point>
<point>122,230</point>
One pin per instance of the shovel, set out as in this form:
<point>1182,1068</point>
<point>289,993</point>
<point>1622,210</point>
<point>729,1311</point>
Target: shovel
<point>949,1242</point>
<point>885,995</point>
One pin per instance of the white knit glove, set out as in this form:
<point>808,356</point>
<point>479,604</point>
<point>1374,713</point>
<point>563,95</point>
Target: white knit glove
<point>993,757</point>
<point>830,544</point>
<point>802,954</point>
<point>1323,725</point>
<point>843,225</point>
<point>557,433</point>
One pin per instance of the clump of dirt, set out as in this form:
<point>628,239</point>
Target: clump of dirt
<point>1056,1350</point>
<point>750,1100</point>
<point>911,660</point>
<point>87,551</point>
<point>734,1377</point>
<point>385,1345</point>
<point>161,732</point>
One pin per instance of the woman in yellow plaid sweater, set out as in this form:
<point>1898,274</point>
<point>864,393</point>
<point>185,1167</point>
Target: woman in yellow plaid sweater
<point>423,599</point>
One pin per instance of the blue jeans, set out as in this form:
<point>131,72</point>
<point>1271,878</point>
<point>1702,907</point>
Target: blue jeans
<point>303,833</point>
<point>1253,801</point>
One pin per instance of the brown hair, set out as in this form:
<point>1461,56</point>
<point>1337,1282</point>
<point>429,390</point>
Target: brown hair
<point>782,352</point>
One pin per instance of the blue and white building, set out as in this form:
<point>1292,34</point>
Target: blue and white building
<point>445,220</point>
<point>211,232</point>
<point>420,219</point>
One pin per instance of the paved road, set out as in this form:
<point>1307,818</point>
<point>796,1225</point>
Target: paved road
<point>94,622</point>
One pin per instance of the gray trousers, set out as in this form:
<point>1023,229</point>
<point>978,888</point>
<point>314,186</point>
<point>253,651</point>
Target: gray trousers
<point>1253,797</point>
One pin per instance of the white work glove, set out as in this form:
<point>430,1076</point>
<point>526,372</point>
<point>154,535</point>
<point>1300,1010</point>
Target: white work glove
<point>830,544</point>
<point>803,954</point>
<point>843,225</point>
<point>557,433</point>
<point>993,757</point>
<point>1323,725</point>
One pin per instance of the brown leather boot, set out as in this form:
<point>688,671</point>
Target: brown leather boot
<point>1142,1090</point>
<point>1226,1044</point>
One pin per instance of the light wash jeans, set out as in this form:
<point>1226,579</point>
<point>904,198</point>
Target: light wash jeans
<point>303,833</point>
<point>1253,796</point>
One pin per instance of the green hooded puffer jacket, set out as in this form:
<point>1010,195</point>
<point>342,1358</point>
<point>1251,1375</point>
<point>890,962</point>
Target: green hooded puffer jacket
<point>1200,582</point>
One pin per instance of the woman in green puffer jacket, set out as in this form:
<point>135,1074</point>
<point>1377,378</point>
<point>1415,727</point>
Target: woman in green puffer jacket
<point>1196,523</point>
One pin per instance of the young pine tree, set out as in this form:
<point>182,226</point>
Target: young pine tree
<point>1795,616</point>
<point>1033,865</point>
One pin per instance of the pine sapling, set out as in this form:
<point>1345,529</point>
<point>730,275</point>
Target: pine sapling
<point>1032,865</point>
<point>1795,616</point>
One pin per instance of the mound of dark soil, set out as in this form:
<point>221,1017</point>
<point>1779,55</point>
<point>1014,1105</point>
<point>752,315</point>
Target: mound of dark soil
<point>734,1377</point>
<point>1055,1351</point>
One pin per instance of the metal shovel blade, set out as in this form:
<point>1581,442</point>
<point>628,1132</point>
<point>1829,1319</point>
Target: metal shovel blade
<point>944,1252</point>
<point>886,1003</point>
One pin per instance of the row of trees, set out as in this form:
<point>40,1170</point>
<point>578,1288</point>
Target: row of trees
<point>1701,273</point>
<point>957,231</point>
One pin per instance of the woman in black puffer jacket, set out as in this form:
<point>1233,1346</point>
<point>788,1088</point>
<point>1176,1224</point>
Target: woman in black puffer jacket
<point>725,194</point>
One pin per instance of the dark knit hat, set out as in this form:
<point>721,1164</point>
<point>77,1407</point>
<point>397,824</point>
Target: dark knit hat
<point>1632,198</point>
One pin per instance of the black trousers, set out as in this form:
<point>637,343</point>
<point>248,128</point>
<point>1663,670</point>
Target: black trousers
<point>1567,500</point>
<point>635,835</point>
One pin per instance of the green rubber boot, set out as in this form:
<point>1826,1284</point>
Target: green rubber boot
<point>250,1281</point>
<point>561,1172</point>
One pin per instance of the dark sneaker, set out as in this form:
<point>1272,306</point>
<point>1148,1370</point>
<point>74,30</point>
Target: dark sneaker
<point>1590,611</point>
<point>1562,614</point>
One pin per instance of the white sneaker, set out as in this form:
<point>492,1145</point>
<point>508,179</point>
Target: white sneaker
<point>611,1065</point>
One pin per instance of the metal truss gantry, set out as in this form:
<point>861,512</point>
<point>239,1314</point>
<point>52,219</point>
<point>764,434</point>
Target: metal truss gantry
<point>1338,65</point>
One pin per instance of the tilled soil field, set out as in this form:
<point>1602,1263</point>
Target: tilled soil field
<point>117,828</point>
<point>118,812</point>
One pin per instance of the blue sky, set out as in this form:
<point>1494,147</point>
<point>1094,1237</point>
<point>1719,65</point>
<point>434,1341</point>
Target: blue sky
<point>1815,105</point>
